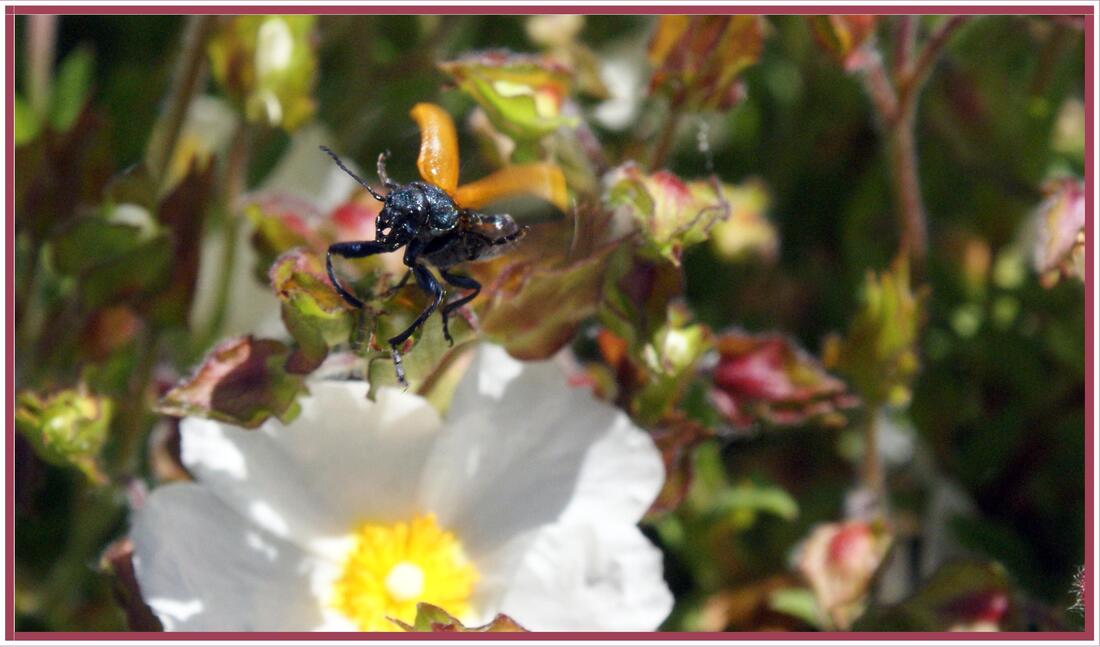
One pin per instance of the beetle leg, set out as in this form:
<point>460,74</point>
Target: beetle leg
<point>458,281</point>
<point>352,249</point>
<point>376,195</point>
<point>427,283</point>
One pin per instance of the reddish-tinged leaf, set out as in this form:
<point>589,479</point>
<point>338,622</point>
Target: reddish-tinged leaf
<point>242,381</point>
<point>839,560</point>
<point>677,438</point>
<point>670,213</point>
<point>637,295</point>
<point>280,224</point>
<point>842,36</point>
<point>697,60</point>
<point>535,311</point>
<point>768,378</point>
<point>960,596</point>
<point>1059,247</point>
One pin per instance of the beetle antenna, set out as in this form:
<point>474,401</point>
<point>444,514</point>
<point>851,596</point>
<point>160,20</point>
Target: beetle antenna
<point>382,175</point>
<point>377,196</point>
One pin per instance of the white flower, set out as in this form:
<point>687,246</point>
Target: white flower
<point>525,502</point>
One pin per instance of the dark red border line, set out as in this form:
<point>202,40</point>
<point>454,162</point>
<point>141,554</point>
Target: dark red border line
<point>1090,276</point>
<point>1090,330</point>
<point>9,521</point>
<point>873,636</point>
<point>387,10</point>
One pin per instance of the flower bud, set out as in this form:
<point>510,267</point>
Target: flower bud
<point>66,428</point>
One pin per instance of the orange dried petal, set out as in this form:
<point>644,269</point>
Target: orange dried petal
<point>438,160</point>
<point>669,30</point>
<point>539,179</point>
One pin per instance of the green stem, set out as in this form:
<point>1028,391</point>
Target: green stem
<point>902,149</point>
<point>96,513</point>
<point>235,181</point>
<point>871,472</point>
<point>895,103</point>
<point>912,81</point>
<point>41,44</point>
<point>133,416</point>
<point>185,83</point>
<point>667,137</point>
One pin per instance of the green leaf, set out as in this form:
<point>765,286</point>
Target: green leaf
<point>27,122</point>
<point>742,503</point>
<point>797,602</point>
<point>314,313</point>
<point>70,91</point>
<point>522,94</point>
<point>671,359</point>
<point>431,618</point>
<point>879,353</point>
<point>425,351</point>
<point>90,242</point>
<point>113,260</point>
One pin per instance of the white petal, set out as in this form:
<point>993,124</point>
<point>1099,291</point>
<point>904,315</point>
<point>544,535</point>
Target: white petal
<point>523,449</point>
<point>307,173</point>
<point>202,567</point>
<point>601,577</point>
<point>251,307</point>
<point>343,461</point>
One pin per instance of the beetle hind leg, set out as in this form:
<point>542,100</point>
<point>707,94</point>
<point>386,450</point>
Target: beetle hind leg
<point>458,281</point>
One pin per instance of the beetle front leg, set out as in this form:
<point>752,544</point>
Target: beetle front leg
<point>427,283</point>
<point>382,175</point>
<point>352,249</point>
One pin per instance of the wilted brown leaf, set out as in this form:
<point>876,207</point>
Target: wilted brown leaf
<point>242,381</point>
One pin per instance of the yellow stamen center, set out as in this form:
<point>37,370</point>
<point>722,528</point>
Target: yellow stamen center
<point>393,567</point>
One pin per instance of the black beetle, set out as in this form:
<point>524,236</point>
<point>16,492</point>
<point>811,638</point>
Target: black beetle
<point>434,231</point>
